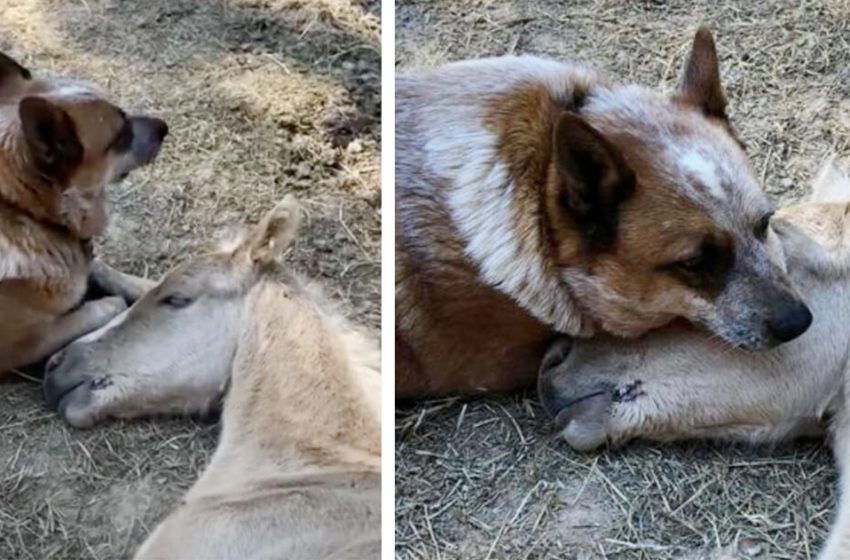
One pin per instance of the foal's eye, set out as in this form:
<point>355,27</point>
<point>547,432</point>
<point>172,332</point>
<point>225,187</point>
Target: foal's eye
<point>176,301</point>
<point>762,225</point>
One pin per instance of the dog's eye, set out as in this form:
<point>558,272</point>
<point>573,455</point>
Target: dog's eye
<point>693,265</point>
<point>707,267</point>
<point>762,225</point>
<point>176,301</point>
<point>124,139</point>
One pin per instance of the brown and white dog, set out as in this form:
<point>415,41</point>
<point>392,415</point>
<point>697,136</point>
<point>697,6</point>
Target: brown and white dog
<point>535,196</point>
<point>61,142</point>
<point>681,383</point>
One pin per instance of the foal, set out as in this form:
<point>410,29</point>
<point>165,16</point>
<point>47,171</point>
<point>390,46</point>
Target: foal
<point>297,470</point>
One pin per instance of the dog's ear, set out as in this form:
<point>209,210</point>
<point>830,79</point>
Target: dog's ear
<point>51,137</point>
<point>13,77</point>
<point>594,178</point>
<point>700,86</point>
<point>10,70</point>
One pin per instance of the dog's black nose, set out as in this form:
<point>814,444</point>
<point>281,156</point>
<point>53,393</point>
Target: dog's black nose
<point>160,129</point>
<point>789,321</point>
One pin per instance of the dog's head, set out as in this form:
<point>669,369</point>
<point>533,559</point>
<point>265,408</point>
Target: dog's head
<point>656,201</point>
<point>62,141</point>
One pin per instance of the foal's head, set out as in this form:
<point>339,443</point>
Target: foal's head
<point>173,349</point>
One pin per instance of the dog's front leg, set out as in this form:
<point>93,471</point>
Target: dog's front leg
<point>106,281</point>
<point>63,330</point>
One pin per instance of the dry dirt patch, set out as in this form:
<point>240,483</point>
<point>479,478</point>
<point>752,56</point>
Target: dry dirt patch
<point>488,478</point>
<point>264,97</point>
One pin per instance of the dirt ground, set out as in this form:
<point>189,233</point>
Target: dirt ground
<point>490,478</point>
<point>263,97</point>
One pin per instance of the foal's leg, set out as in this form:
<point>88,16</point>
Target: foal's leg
<point>678,386</point>
<point>837,546</point>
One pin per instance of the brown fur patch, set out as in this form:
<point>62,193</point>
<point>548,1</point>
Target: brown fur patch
<point>469,338</point>
<point>523,122</point>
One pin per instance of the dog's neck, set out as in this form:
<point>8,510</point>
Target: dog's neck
<point>498,206</point>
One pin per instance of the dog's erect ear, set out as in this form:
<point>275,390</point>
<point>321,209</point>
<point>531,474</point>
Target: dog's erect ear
<point>10,69</point>
<point>272,236</point>
<point>700,86</point>
<point>595,178</point>
<point>51,137</point>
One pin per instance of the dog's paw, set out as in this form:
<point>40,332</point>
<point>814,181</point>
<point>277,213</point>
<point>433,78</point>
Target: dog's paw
<point>101,311</point>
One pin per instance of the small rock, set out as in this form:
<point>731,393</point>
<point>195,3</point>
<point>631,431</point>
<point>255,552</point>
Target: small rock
<point>750,548</point>
<point>303,169</point>
<point>354,147</point>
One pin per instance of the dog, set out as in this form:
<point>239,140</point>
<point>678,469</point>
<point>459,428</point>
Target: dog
<point>61,142</point>
<point>535,197</point>
<point>682,383</point>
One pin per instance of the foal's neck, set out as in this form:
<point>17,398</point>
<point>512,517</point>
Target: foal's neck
<point>305,386</point>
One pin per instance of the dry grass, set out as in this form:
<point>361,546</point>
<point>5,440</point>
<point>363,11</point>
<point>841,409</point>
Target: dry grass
<point>263,97</point>
<point>489,478</point>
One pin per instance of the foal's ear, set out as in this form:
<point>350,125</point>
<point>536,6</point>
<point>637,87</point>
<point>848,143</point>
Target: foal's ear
<point>275,233</point>
<point>832,184</point>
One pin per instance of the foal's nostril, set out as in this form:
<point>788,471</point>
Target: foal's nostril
<point>54,361</point>
<point>560,401</point>
<point>548,394</point>
<point>789,321</point>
